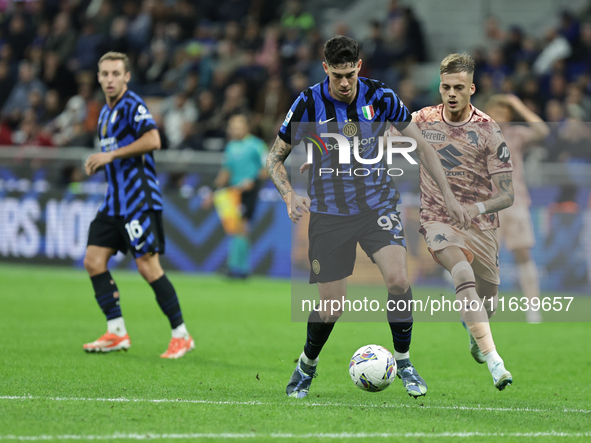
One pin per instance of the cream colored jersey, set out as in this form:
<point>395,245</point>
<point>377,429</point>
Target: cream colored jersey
<point>517,138</point>
<point>470,153</point>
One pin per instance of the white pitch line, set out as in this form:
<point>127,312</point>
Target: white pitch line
<point>149,436</point>
<point>295,403</point>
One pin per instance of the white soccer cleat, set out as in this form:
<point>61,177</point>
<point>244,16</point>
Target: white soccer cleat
<point>501,377</point>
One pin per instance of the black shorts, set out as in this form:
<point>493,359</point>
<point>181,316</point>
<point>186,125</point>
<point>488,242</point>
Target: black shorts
<point>142,235</point>
<point>333,240</point>
<point>249,201</point>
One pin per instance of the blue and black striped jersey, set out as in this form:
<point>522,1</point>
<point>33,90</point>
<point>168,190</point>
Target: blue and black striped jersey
<point>367,117</point>
<point>132,182</point>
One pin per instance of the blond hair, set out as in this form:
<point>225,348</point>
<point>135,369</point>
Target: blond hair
<point>112,55</point>
<point>454,63</point>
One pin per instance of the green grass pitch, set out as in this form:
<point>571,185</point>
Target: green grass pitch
<point>232,386</point>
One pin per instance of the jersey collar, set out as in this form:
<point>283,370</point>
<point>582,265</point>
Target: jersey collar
<point>458,124</point>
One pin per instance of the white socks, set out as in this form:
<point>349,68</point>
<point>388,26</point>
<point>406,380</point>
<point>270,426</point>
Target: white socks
<point>117,327</point>
<point>401,355</point>
<point>180,332</point>
<point>491,358</point>
<point>308,361</point>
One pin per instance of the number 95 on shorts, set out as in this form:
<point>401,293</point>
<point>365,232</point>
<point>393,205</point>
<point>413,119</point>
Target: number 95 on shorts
<point>333,240</point>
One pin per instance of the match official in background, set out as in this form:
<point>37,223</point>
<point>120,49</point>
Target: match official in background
<point>238,184</point>
<point>130,217</point>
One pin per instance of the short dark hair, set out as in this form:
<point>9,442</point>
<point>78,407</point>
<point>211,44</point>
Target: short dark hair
<point>341,50</point>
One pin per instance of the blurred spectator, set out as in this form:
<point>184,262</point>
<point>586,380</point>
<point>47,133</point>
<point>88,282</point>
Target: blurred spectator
<point>152,68</point>
<point>183,14</point>
<point>179,115</point>
<point>29,133</point>
<point>414,37</point>
<point>62,38</point>
<point>52,107</point>
<point>102,13</point>
<point>295,17</point>
<point>117,38</point>
<point>6,82</point>
<point>271,103</point>
<point>207,126</point>
<point>18,36</point>
<point>557,48</point>
<point>87,49</point>
<point>56,76</point>
<point>513,47</point>
<point>69,125</point>
<point>139,23</point>
<point>18,100</point>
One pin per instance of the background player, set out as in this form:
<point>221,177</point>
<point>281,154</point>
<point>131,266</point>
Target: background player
<point>346,209</point>
<point>473,152</point>
<point>131,214</point>
<point>242,169</point>
<point>516,228</point>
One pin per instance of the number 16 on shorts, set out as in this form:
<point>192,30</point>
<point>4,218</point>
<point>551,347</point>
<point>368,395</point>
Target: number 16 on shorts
<point>135,232</point>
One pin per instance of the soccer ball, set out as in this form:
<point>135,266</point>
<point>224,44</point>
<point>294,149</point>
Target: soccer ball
<point>372,368</point>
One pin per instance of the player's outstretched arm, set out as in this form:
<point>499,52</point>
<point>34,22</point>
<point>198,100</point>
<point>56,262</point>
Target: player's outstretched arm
<point>428,158</point>
<point>501,200</point>
<point>148,142</point>
<point>538,126</point>
<point>296,204</point>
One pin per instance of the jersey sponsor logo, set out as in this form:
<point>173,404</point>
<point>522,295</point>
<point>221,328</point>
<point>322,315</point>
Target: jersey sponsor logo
<point>503,152</point>
<point>142,114</point>
<point>109,144</point>
<point>449,154</point>
<point>368,111</point>
<point>433,135</point>
<point>287,118</point>
<point>455,173</point>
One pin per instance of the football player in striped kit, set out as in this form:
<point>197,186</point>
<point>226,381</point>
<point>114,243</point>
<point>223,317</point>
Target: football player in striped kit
<point>130,217</point>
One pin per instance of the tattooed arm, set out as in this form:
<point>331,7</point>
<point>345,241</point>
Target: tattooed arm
<point>278,174</point>
<point>501,200</point>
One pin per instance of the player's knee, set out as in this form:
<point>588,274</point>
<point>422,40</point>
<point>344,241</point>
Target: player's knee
<point>94,265</point>
<point>462,272</point>
<point>397,284</point>
<point>150,271</point>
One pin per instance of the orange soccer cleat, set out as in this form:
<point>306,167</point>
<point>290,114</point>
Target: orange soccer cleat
<point>108,342</point>
<point>178,347</point>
